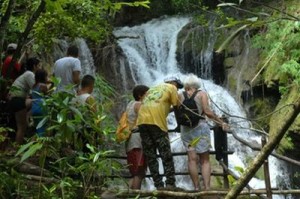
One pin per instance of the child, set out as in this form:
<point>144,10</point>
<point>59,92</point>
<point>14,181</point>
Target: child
<point>135,156</point>
<point>39,89</point>
<point>84,95</point>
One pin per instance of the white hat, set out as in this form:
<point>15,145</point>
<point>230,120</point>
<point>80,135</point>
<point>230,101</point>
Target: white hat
<point>12,46</point>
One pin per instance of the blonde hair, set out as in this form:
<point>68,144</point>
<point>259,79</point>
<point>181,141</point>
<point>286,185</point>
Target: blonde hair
<point>192,81</point>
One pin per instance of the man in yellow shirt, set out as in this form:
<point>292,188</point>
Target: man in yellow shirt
<point>153,128</point>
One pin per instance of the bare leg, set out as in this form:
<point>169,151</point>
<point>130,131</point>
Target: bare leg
<point>205,169</point>
<point>136,182</point>
<point>193,168</point>
<point>22,121</point>
<point>130,183</point>
<point>28,104</point>
<point>21,125</point>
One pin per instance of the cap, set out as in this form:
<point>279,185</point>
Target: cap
<point>12,46</point>
<point>174,79</point>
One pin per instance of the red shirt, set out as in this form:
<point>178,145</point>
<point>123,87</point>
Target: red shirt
<point>14,72</point>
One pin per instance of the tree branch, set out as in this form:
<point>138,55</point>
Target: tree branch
<point>291,115</point>
<point>292,16</point>
<point>27,30</point>
<point>4,22</point>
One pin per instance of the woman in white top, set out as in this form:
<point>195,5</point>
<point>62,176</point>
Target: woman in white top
<point>20,102</point>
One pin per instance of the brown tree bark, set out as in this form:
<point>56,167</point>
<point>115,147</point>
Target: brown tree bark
<point>4,22</point>
<point>290,115</point>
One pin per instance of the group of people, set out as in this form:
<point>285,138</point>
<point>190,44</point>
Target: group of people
<point>148,119</point>
<point>147,114</point>
<point>25,91</point>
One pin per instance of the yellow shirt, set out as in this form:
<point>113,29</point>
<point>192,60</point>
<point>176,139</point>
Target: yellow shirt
<point>156,105</point>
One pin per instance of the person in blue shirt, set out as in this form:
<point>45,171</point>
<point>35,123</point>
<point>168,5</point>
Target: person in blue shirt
<point>39,90</point>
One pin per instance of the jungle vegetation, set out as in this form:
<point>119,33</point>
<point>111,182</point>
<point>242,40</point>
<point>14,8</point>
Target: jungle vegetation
<point>56,171</point>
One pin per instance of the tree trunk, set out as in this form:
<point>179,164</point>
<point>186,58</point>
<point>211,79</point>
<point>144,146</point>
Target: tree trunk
<point>24,36</point>
<point>291,115</point>
<point>4,22</point>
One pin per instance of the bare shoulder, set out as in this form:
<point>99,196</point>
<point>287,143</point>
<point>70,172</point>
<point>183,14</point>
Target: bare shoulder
<point>201,93</point>
<point>137,106</point>
<point>181,97</point>
<point>137,103</point>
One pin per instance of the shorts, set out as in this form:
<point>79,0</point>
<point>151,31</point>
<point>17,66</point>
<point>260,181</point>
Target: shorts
<point>197,138</point>
<point>136,162</point>
<point>17,104</point>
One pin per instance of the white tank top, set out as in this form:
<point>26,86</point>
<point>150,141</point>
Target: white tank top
<point>135,140</point>
<point>83,97</point>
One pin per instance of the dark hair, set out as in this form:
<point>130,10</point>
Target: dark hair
<point>73,51</point>
<point>87,80</point>
<point>40,76</point>
<point>31,62</point>
<point>10,51</point>
<point>139,91</point>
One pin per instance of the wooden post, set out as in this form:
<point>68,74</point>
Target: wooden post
<point>266,171</point>
<point>220,147</point>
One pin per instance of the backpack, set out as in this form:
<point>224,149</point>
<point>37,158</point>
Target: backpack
<point>123,132</point>
<point>188,114</point>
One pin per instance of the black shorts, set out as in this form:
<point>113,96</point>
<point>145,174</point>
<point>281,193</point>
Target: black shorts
<point>16,104</point>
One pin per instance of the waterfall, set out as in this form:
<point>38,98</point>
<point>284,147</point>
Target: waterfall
<point>150,49</point>
<point>150,55</point>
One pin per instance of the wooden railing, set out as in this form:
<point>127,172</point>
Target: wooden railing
<point>221,152</point>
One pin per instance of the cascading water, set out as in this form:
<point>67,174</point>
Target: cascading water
<point>151,55</point>
<point>86,57</point>
<point>206,38</point>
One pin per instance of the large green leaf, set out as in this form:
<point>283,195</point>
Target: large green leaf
<point>42,122</point>
<point>77,112</point>
<point>32,150</point>
<point>25,147</point>
<point>195,141</point>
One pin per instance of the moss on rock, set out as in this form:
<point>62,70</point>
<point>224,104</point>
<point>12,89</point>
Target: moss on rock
<point>278,119</point>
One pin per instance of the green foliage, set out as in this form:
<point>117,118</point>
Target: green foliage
<point>65,19</point>
<point>186,6</point>
<point>12,184</point>
<point>259,108</point>
<point>286,144</point>
<point>74,152</point>
<point>3,131</point>
<point>292,68</point>
<point>279,41</point>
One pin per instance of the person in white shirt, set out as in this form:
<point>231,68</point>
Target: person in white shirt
<point>84,95</point>
<point>85,98</point>
<point>68,69</point>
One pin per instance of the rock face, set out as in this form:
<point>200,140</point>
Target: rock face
<point>195,53</point>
